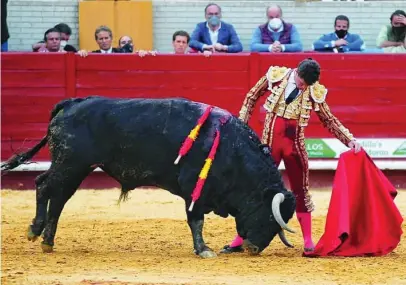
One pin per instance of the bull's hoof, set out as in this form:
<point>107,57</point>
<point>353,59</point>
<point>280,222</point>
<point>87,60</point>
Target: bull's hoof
<point>252,249</point>
<point>46,248</point>
<point>207,254</point>
<point>30,235</point>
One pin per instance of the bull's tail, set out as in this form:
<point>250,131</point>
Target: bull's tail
<point>21,158</point>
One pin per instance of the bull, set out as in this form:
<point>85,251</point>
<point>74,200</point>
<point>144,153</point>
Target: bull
<point>135,142</point>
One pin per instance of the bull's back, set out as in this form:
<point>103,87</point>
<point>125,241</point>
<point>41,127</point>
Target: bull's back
<point>140,128</point>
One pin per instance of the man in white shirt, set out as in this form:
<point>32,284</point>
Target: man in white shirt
<point>104,38</point>
<point>215,35</point>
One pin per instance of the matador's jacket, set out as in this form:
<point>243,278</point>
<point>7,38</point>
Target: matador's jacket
<point>297,113</point>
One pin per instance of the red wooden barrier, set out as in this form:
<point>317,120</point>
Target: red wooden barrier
<point>366,91</point>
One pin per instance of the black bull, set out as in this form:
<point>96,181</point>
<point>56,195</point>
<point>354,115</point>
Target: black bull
<point>136,141</point>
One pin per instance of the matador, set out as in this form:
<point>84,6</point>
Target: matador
<point>294,94</point>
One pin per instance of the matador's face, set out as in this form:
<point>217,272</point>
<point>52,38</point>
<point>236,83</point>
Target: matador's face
<point>300,83</point>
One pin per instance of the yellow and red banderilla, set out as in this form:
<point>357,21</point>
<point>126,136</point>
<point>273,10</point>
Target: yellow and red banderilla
<point>205,171</point>
<point>191,138</point>
<point>186,146</point>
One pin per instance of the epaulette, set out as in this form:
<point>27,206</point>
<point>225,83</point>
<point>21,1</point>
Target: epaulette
<point>276,73</point>
<point>318,92</point>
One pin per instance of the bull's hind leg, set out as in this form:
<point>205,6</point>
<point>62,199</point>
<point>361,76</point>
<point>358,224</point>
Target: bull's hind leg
<point>195,220</point>
<point>38,223</point>
<point>65,182</point>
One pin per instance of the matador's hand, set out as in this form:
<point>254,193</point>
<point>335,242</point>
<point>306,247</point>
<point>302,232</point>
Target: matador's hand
<point>355,146</point>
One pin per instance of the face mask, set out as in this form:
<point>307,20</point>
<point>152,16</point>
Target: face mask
<point>127,48</point>
<point>63,43</point>
<point>275,24</point>
<point>214,21</point>
<point>341,33</point>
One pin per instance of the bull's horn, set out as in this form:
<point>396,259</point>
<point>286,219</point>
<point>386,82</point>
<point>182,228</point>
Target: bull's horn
<point>284,239</point>
<point>276,201</point>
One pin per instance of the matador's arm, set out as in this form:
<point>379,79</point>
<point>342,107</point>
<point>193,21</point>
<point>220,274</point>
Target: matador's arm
<point>318,93</point>
<point>333,124</point>
<point>252,96</point>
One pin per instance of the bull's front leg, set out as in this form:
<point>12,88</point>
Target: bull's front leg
<point>195,220</point>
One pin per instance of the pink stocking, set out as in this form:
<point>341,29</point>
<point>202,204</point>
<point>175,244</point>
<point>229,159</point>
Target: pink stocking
<point>237,241</point>
<point>305,220</point>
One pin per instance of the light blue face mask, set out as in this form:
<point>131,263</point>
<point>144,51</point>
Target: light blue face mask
<point>214,21</point>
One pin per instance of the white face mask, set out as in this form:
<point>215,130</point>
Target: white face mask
<point>275,24</point>
<point>63,43</point>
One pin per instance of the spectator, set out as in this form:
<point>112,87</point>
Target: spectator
<point>276,35</point>
<point>4,28</point>
<point>215,35</point>
<point>104,38</point>
<point>180,42</point>
<point>65,32</point>
<point>52,40</point>
<point>392,38</point>
<point>125,43</point>
<point>341,40</point>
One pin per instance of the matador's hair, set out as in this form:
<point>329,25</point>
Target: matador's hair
<point>309,71</point>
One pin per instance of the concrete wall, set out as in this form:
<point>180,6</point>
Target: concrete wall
<point>28,20</point>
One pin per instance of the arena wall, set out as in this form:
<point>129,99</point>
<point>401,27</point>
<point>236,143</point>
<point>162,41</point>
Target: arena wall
<point>365,95</point>
<point>28,20</point>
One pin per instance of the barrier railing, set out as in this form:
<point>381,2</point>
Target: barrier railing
<point>365,91</point>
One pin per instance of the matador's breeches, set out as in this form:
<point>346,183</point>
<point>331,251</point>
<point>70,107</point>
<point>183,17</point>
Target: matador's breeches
<point>286,140</point>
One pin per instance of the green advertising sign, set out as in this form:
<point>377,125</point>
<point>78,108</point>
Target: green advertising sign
<point>317,148</point>
<point>401,150</point>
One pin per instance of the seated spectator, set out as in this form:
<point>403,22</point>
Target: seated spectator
<point>276,35</point>
<point>52,40</point>
<point>215,35</point>
<point>180,42</point>
<point>125,43</point>
<point>104,38</point>
<point>392,38</point>
<point>65,32</point>
<point>341,40</point>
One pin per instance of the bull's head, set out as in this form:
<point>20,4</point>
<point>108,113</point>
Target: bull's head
<point>260,227</point>
<point>265,213</point>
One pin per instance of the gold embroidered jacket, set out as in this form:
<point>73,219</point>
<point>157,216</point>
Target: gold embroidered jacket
<point>313,98</point>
